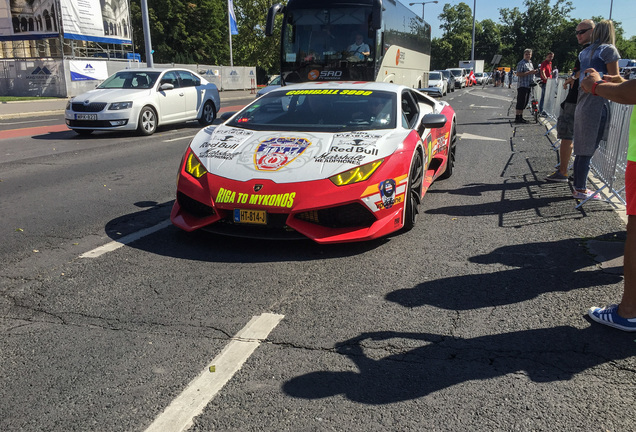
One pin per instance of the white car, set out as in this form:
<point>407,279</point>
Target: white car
<point>481,78</point>
<point>460,77</point>
<point>142,100</point>
<point>273,84</point>
<point>437,84</point>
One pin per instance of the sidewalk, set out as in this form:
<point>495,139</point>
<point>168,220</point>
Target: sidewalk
<point>12,110</point>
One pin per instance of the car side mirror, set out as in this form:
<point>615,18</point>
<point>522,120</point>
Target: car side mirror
<point>433,121</point>
<point>166,86</point>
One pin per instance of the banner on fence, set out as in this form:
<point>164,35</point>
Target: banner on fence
<point>88,70</point>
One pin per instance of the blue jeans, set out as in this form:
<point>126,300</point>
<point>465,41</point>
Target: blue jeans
<point>581,170</point>
<point>542,97</point>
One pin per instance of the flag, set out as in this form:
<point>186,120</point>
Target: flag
<point>233,26</point>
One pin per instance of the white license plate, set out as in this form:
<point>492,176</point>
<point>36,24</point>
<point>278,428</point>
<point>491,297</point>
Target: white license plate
<point>85,116</point>
<point>258,217</point>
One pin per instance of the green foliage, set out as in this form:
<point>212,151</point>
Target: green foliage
<point>541,27</point>
<point>197,31</point>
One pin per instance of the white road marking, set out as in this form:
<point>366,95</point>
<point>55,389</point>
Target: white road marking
<point>482,106</point>
<point>477,137</point>
<point>191,402</point>
<point>180,138</point>
<point>109,247</point>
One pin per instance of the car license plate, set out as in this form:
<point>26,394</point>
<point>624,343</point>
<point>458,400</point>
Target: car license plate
<point>250,216</point>
<point>85,116</point>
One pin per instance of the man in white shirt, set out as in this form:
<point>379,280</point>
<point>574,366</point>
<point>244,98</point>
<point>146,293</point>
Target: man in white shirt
<point>359,49</point>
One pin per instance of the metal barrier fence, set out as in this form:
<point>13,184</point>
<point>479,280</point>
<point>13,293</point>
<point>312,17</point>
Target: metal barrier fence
<point>610,159</point>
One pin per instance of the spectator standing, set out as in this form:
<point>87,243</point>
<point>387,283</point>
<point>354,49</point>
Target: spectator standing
<point>525,72</point>
<point>591,117</point>
<point>555,73</point>
<point>565,122</point>
<point>545,71</point>
<point>510,75</point>
<point>615,88</point>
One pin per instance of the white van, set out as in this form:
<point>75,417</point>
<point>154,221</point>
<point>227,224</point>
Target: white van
<point>460,76</point>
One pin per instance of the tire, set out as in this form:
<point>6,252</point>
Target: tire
<point>414,191</point>
<point>208,114</point>
<point>83,132</point>
<point>450,165</point>
<point>147,121</point>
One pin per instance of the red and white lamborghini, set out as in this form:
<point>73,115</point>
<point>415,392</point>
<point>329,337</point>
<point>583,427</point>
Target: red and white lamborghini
<point>333,162</point>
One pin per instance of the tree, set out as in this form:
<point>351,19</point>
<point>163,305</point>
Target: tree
<point>455,43</point>
<point>536,28</point>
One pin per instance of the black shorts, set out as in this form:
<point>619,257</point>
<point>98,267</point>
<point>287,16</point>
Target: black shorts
<point>523,96</point>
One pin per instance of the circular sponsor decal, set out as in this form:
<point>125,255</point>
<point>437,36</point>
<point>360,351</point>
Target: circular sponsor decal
<point>397,58</point>
<point>272,161</point>
<point>313,74</point>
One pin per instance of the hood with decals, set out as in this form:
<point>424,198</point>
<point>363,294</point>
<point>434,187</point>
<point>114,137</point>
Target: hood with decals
<point>286,157</point>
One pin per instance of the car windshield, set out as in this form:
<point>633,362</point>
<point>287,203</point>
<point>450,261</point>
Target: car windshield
<point>456,72</point>
<point>434,76</point>
<point>332,110</point>
<point>130,80</point>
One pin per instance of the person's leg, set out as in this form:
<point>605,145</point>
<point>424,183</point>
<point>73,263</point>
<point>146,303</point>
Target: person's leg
<point>542,98</point>
<point>623,316</point>
<point>627,308</point>
<point>581,170</point>
<point>523,95</point>
<point>565,153</point>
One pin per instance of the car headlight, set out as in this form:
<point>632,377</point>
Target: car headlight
<point>194,167</point>
<point>356,175</point>
<point>120,105</point>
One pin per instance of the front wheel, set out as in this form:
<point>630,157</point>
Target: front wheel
<point>147,121</point>
<point>414,192</point>
<point>208,114</point>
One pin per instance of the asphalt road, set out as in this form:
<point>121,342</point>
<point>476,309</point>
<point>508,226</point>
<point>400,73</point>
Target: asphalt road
<point>474,320</point>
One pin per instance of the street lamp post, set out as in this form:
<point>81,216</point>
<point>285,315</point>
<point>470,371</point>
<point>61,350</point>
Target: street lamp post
<point>472,46</point>
<point>423,4</point>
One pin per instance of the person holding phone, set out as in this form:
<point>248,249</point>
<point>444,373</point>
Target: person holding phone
<point>591,117</point>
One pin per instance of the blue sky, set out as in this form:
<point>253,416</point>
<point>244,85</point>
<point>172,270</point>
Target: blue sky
<point>622,10</point>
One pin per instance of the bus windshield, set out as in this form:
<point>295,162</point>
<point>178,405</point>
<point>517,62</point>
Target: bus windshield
<point>328,41</point>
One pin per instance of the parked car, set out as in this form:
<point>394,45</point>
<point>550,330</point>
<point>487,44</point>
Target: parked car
<point>143,99</point>
<point>330,161</point>
<point>460,77</point>
<point>437,84</point>
<point>481,78</point>
<point>449,78</point>
<point>273,84</point>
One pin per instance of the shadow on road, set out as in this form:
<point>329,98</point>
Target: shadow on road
<point>405,373</point>
<point>541,268</point>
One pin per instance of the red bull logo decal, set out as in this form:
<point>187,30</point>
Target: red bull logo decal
<point>274,153</point>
